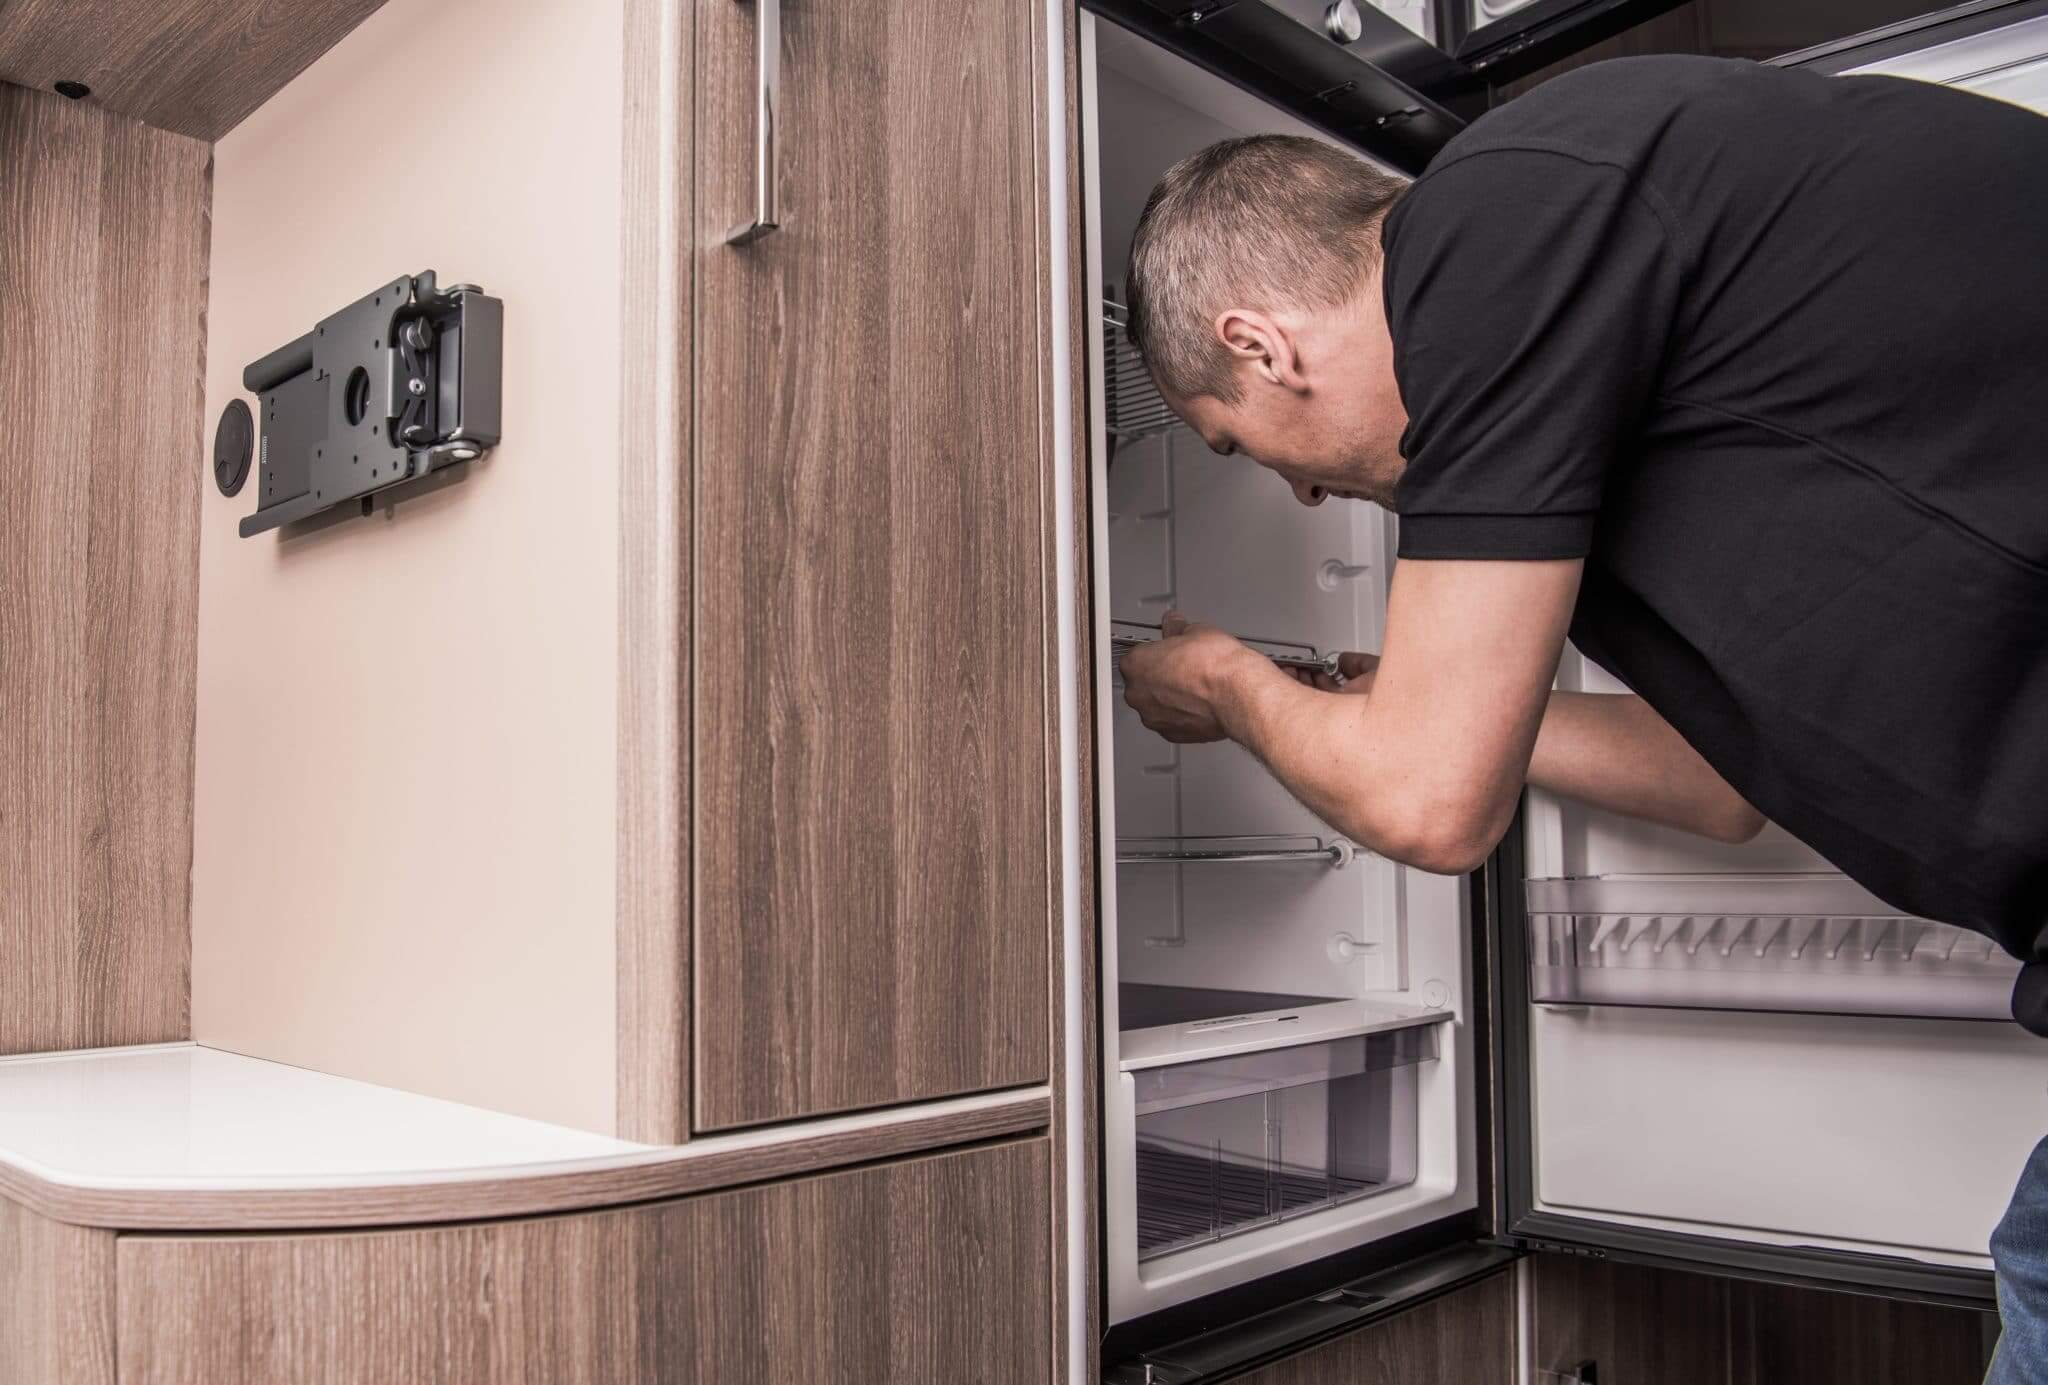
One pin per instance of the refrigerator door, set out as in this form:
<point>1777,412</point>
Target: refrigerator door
<point>1768,1077</point>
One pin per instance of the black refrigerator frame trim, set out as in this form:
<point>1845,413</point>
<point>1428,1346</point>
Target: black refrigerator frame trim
<point>1913,35</point>
<point>1392,93</point>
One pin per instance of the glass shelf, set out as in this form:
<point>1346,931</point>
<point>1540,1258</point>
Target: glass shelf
<point>1811,943</point>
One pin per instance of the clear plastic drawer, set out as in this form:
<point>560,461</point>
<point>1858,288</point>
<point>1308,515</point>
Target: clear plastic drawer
<point>1227,1145</point>
<point>1817,943</point>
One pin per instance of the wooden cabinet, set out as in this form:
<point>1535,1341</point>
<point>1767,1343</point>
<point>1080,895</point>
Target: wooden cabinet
<point>927,1270</point>
<point>102,273</point>
<point>1659,1327</point>
<point>1463,1338</point>
<point>56,1301</point>
<point>870,642</point>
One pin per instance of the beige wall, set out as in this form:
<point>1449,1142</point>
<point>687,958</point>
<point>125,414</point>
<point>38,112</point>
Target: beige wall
<point>407,726</point>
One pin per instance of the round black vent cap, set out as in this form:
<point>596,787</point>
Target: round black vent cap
<point>233,438</point>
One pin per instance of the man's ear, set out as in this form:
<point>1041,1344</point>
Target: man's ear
<point>1256,340</point>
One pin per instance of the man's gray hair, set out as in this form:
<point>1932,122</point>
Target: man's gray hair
<point>1267,222</point>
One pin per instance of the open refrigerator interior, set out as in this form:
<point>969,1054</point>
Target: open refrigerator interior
<point>1729,1045</point>
<point>1287,1054</point>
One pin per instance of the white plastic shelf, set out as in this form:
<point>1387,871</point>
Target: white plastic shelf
<point>1809,943</point>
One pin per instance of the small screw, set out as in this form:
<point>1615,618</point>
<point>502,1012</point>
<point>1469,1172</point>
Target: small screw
<point>416,385</point>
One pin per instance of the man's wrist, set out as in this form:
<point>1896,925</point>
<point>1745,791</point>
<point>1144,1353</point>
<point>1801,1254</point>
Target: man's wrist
<point>1241,687</point>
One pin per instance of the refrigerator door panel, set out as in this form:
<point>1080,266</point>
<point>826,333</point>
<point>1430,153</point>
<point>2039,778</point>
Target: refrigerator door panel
<point>1870,1150</point>
<point>1843,1145</point>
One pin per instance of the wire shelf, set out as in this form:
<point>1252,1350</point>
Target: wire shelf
<point>1126,635</point>
<point>1135,408</point>
<point>1264,847</point>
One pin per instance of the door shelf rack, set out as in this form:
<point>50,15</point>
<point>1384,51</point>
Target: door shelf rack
<point>1816,943</point>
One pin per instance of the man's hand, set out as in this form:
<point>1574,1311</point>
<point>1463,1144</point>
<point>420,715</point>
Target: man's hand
<point>1178,683</point>
<point>1357,670</point>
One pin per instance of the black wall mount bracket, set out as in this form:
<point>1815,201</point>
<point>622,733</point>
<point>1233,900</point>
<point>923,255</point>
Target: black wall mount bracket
<point>403,382</point>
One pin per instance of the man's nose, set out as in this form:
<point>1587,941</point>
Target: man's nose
<point>1307,493</point>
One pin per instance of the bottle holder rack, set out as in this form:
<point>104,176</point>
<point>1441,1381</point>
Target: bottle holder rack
<point>1804,943</point>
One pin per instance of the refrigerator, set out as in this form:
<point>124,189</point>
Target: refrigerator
<point>1328,1086</point>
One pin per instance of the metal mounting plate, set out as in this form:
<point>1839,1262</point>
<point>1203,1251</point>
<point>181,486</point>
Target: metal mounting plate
<point>402,382</point>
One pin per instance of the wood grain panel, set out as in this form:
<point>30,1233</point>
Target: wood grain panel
<point>720,1161</point>
<point>871,700</point>
<point>1464,1338</point>
<point>195,67</point>
<point>1641,1324</point>
<point>928,1270</point>
<point>1637,1324</point>
<point>56,1301</point>
<point>654,546</point>
<point>1782,1334</point>
<point>102,299</point>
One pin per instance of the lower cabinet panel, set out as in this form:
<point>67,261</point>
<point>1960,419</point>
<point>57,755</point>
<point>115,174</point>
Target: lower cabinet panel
<point>932,1269</point>
<point>1464,1338</point>
<point>1662,1326</point>
<point>56,1301</point>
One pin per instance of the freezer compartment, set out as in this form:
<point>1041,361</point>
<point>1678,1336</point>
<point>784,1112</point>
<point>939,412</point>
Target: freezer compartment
<point>1812,943</point>
<point>1228,1145</point>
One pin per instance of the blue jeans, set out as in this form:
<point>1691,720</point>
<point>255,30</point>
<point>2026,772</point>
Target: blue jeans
<point>2019,1250</point>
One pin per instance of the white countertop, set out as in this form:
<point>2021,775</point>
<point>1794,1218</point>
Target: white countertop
<point>178,1117</point>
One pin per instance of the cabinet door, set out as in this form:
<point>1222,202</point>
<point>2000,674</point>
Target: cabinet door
<point>934,1269</point>
<point>870,649</point>
<point>56,1301</point>
<point>1635,1323</point>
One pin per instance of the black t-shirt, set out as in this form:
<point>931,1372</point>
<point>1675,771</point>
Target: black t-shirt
<point>1770,351</point>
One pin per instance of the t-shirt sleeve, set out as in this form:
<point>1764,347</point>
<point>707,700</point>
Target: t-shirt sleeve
<point>1530,296</point>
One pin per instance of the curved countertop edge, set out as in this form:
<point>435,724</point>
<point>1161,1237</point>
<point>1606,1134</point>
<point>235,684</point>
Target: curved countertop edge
<point>706,1164</point>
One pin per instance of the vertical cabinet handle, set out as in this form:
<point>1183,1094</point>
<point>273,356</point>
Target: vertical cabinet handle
<point>767,100</point>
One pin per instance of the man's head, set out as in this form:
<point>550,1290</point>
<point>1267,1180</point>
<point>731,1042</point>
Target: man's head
<point>1254,297</point>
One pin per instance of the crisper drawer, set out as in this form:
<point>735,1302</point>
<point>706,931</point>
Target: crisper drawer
<point>1816,943</point>
<point>1230,1144</point>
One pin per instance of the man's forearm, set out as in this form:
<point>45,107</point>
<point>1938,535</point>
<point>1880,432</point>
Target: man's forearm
<point>1610,751</point>
<point>1344,759</point>
<point>1613,751</point>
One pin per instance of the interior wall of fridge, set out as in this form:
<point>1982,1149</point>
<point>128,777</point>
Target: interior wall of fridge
<point>1374,944</point>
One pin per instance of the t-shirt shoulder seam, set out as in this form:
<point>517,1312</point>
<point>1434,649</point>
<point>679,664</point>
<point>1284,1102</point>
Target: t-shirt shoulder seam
<point>1648,192</point>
